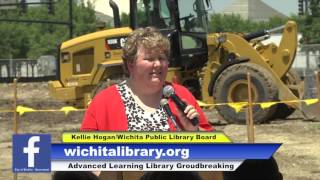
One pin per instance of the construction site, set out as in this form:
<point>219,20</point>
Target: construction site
<point>268,73</point>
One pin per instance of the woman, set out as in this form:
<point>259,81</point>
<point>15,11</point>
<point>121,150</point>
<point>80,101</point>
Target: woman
<point>134,105</point>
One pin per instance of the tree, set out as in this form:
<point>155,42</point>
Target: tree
<point>31,40</point>
<point>125,20</point>
<point>311,30</point>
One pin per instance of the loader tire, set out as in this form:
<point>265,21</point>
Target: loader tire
<point>231,86</point>
<point>283,110</point>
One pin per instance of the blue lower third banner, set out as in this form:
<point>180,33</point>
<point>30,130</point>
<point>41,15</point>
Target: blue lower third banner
<point>170,152</point>
<point>35,153</point>
<point>156,157</point>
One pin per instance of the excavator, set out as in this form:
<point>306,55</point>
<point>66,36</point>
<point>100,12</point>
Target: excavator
<point>213,66</point>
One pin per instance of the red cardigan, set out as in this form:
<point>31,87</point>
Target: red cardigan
<point>106,112</point>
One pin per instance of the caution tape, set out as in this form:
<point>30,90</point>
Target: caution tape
<point>237,106</point>
<point>22,109</point>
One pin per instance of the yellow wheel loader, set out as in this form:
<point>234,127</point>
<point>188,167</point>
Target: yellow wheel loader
<point>212,66</point>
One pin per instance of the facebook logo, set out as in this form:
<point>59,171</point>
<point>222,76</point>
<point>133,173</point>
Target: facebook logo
<point>31,153</point>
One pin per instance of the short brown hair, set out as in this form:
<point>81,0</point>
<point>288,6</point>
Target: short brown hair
<point>148,38</point>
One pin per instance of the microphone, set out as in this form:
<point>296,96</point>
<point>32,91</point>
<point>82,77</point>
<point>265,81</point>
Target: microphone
<point>164,104</point>
<point>168,92</point>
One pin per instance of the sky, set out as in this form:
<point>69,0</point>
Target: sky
<point>286,7</point>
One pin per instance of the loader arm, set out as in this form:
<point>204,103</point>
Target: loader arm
<point>280,58</point>
<point>242,48</point>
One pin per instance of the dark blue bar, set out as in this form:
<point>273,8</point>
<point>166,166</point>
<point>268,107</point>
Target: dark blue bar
<point>224,151</point>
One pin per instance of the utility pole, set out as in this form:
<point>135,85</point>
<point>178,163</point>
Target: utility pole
<point>23,5</point>
<point>70,20</point>
<point>51,7</point>
<point>301,9</point>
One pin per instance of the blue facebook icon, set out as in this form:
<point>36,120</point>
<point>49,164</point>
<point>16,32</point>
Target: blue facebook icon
<point>31,153</point>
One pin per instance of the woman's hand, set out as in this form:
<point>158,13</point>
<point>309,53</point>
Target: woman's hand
<point>189,113</point>
<point>97,173</point>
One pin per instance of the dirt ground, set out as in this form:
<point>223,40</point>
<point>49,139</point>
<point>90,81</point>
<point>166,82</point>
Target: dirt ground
<point>298,157</point>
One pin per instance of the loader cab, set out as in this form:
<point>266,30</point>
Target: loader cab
<point>183,22</point>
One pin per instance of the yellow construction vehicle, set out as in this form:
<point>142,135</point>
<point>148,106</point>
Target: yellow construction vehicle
<point>213,66</point>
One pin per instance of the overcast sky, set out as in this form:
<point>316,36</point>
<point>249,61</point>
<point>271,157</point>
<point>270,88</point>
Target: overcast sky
<point>287,7</point>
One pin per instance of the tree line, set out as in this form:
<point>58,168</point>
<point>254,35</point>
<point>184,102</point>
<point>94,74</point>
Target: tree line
<point>31,40</point>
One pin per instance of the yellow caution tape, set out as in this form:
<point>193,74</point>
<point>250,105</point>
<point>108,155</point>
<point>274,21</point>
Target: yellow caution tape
<point>6,110</point>
<point>67,109</point>
<point>267,105</point>
<point>311,101</point>
<point>237,106</point>
<point>203,104</point>
<point>21,110</point>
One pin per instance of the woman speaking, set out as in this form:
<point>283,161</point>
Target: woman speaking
<point>134,104</point>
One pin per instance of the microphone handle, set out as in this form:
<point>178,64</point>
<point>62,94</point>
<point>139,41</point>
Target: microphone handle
<point>182,106</point>
<point>194,121</point>
<point>173,119</point>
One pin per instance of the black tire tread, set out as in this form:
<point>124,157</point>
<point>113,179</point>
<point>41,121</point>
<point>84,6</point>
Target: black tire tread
<point>255,70</point>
